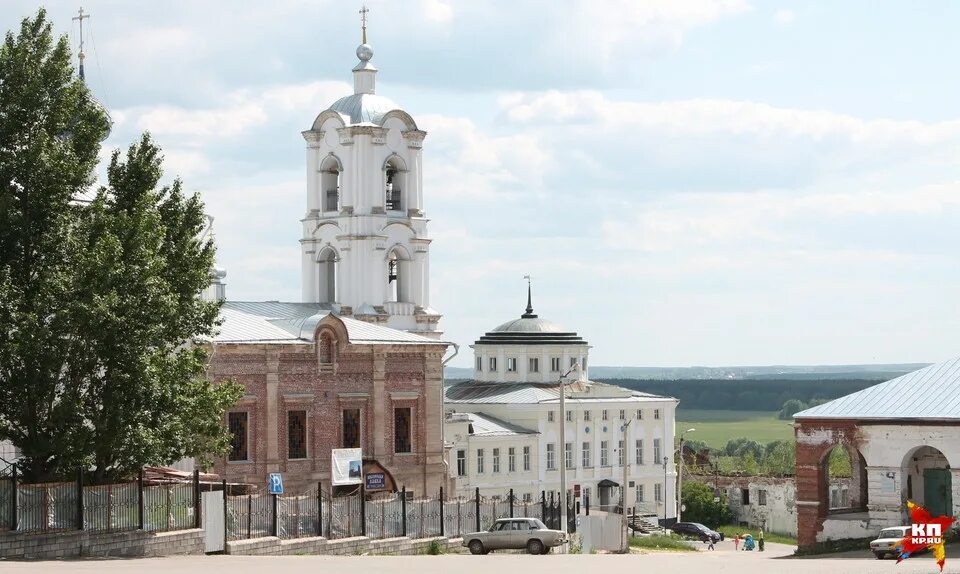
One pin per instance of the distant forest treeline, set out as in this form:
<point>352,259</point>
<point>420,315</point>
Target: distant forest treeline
<point>745,395</point>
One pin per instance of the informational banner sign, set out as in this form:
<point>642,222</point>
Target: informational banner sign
<point>275,483</point>
<point>346,466</point>
<point>376,481</point>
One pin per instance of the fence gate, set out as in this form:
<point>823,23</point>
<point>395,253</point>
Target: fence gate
<point>213,526</point>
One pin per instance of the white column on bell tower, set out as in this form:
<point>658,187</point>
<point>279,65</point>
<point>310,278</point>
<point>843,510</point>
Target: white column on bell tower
<point>370,140</point>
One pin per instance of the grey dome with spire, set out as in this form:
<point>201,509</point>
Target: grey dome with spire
<point>530,329</point>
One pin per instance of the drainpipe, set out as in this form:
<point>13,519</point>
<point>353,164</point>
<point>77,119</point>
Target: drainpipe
<point>443,414</point>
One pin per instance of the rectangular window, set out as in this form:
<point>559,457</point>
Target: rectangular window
<point>461,462</point>
<point>551,456</point>
<point>622,454</point>
<point>555,364</point>
<point>638,444</point>
<point>762,497</point>
<point>573,361</point>
<point>586,455</point>
<point>237,423</point>
<point>639,414</point>
<point>534,365</point>
<point>528,498</point>
<point>526,458</point>
<point>296,434</point>
<point>351,428</point>
<point>550,416</point>
<point>623,415</point>
<point>401,430</point>
<point>587,493</point>
<point>604,460</point>
<point>745,496</point>
<point>511,459</point>
<point>511,364</point>
<point>569,416</point>
<point>639,493</point>
<point>656,414</point>
<point>568,455</point>
<point>479,461</point>
<point>493,364</point>
<point>496,460</point>
<point>479,363</point>
<point>603,415</point>
<point>586,416</point>
<point>656,451</point>
<point>658,492</point>
<point>583,364</point>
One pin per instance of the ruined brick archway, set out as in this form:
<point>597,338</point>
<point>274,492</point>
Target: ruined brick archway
<point>815,440</point>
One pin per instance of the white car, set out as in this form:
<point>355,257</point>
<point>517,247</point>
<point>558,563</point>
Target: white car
<point>888,541</point>
<point>515,534</point>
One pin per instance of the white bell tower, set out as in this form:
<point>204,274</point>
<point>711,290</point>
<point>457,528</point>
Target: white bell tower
<point>365,250</point>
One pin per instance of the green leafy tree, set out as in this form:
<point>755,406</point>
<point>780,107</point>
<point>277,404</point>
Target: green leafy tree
<point>141,270</point>
<point>779,459</point>
<point>698,499</point>
<point>790,408</point>
<point>50,133</point>
<point>101,312</point>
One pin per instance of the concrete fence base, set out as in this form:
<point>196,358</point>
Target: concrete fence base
<point>358,545</point>
<point>71,544</point>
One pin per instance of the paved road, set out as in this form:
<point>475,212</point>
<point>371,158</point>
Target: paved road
<point>723,561</point>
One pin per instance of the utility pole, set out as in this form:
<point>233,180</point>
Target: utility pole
<point>625,538</point>
<point>81,17</point>
<point>563,447</point>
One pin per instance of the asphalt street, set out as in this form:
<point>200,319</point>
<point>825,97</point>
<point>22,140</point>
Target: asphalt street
<point>775,560</point>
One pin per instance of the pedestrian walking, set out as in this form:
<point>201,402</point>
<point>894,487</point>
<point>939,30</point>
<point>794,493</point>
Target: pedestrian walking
<point>736,542</point>
<point>760,541</point>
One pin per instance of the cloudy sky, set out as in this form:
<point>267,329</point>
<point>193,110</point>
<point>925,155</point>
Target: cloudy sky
<point>701,182</point>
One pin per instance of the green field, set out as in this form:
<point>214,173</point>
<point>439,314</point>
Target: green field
<point>717,427</point>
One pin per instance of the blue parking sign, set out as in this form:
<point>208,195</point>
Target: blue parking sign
<point>275,483</point>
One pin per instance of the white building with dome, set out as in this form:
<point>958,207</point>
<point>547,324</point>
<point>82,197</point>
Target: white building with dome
<point>502,427</point>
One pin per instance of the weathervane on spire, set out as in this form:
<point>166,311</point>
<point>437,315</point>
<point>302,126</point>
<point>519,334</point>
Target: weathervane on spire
<point>363,21</point>
<point>529,314</point>
<point>80,17</point>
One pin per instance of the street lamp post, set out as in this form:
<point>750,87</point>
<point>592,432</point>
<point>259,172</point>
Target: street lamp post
<point>679,493</point>
<point>563,448</point>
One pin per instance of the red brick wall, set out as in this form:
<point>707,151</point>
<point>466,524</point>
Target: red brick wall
<point>303,383</point>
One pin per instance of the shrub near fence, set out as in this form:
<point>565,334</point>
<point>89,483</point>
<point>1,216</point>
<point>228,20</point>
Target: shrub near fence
<point>60,506</point>
<point>334,517</point>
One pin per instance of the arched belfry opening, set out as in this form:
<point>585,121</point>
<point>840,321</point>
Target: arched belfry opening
<point>328,265</point>
<point>330,171</point>
<point>394,181</point>
<point>398,275</point>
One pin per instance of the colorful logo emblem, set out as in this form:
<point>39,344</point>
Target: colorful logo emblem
<point>926,532</point>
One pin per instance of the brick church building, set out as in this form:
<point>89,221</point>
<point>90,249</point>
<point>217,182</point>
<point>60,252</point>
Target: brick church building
<point>358,362</point>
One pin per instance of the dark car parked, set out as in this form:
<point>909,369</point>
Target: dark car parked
<point>696,530</point>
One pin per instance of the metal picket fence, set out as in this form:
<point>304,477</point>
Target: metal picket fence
<point>312,514</point>
<point>58,506</point>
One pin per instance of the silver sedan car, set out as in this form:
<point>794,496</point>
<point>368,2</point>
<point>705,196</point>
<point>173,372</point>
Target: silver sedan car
<point>515,534</point>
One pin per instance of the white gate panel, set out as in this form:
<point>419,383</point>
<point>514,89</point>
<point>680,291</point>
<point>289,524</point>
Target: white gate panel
<point>214,528</point>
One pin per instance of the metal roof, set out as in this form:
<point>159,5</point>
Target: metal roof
<point>929,393</point>
<point>486,425</point>
<point>484,392</point>
<point>364,108</point>
<point>281,322</point>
